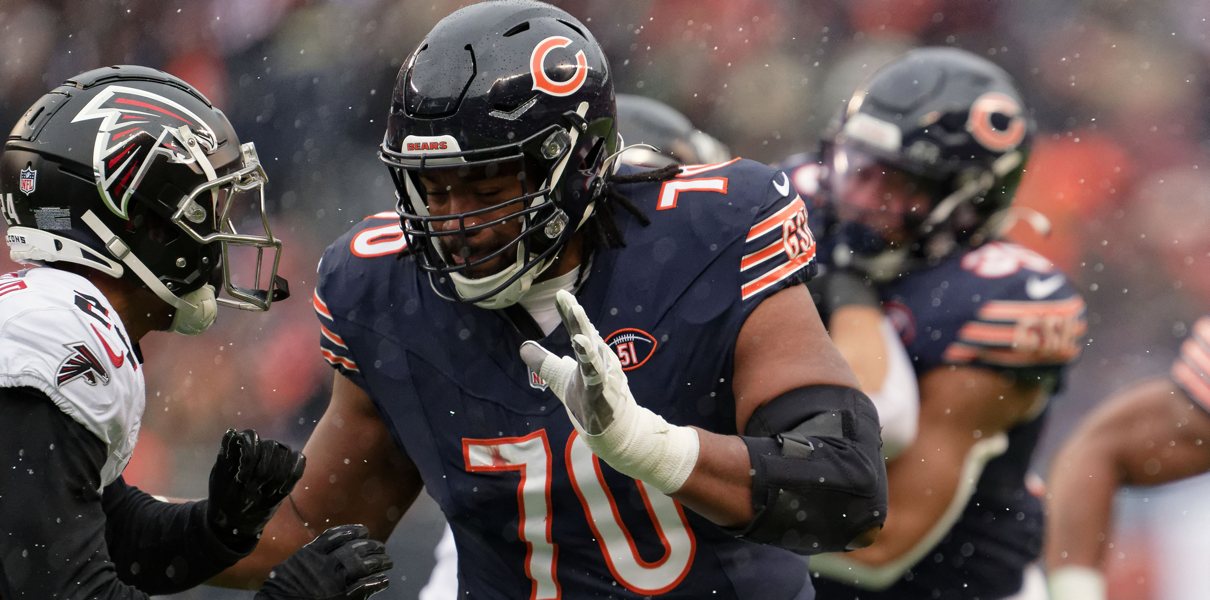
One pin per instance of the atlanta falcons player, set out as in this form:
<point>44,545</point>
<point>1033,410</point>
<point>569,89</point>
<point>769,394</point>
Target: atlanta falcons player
<point>123,188</point>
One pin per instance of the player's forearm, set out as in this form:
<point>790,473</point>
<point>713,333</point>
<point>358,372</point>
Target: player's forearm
<point>162,547</point>
<point>284,534</point>
<point>1083,482</point>
<point>720,486</point>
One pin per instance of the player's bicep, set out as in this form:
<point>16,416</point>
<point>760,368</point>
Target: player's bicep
<point>355,471</point>
<point>783,346</point>
<point>1154,433</point>
<point>964,414</point>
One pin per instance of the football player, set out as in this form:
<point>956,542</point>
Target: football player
<point>655,136</point>
<point>611,380</point>
<point>1151,433</point>
<point>921,171</point>
<point>126,185</point>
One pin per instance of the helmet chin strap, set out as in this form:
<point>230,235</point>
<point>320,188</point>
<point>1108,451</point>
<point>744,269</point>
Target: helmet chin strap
<point>194,312</point>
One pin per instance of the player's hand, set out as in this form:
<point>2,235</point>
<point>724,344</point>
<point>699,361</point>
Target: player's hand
<point>592,386</point>
<point>340,564</point>
<point>250,478</point>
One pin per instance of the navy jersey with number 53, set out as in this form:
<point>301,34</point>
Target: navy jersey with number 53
<point>1001,307</point>
<point>535,514</point>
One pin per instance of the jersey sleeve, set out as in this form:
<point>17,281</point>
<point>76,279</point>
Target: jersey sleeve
<point>1022,333</point>
<point>779,249</point>
<point>1191,371</point>
<point>55,349</point>
<point>332,329</point>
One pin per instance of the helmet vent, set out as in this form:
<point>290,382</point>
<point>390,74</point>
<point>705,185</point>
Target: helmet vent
<point>517,29</point>
<point>573,27</point>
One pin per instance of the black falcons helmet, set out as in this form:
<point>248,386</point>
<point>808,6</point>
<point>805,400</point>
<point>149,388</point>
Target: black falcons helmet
<point>131,171</point>
<point>647,121</point>
<point>516,84</point>
<point>950,118</point>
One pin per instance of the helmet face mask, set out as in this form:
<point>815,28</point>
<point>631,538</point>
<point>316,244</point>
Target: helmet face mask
<point>157,196</point>
<point>942,124</point>
<point>500,87</point>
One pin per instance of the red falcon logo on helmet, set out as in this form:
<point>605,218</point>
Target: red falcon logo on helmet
<point>537,62</point>
<point>136,125</point>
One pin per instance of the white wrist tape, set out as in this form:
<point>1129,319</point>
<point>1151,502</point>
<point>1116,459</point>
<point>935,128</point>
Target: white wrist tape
<point>637,442</point>
<point>642,445</point>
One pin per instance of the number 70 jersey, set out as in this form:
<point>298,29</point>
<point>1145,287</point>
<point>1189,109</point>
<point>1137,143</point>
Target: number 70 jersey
<point>535,514</point>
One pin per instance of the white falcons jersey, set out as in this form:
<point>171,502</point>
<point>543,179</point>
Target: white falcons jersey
<point>59,335</point>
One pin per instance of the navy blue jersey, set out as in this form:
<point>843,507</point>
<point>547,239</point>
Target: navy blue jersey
<point>1001,307</point>
<point>534,513</point>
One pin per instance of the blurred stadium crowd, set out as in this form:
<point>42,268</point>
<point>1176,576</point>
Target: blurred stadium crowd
<point>1119,88</point>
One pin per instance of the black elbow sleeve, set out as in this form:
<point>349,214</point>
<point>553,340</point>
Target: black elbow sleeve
<point>818,480</point>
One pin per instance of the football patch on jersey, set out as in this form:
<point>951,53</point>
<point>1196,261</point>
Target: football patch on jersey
<point>82,363</point>
<point>634,347</point>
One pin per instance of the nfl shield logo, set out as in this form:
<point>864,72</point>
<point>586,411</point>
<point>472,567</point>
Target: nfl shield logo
<point>29,180</point>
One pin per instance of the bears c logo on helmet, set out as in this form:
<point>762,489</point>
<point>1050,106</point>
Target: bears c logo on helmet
<point>136,125</point>
<point>986,132</point>
<point>537,61</point>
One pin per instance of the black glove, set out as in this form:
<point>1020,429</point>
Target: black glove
<point>839,287</point>
<point>340,564</point>
<point>249,479</point>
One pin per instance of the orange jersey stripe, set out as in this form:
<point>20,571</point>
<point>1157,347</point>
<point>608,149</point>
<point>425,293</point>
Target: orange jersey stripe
<point>772,277</point>
<point>1201,330</point>
<point>339,361</point>
<point>1194,385</point>
<point>1003,310</point>
<point>775,220</point>
<point>1194,352</point>
<point>988,333</point>
<point>960,353</point>
<point>332,337</point>
<point>760,256</point>
<point>320,306</point>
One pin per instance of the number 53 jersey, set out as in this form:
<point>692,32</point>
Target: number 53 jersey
<point>535,514</point>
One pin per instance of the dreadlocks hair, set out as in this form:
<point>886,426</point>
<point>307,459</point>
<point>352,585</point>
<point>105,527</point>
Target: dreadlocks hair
<point>603,228</point>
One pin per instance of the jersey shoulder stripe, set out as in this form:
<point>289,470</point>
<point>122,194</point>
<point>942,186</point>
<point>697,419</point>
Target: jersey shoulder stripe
<point>1191,371</point>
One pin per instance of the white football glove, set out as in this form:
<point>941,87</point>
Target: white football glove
<point>630,438</point>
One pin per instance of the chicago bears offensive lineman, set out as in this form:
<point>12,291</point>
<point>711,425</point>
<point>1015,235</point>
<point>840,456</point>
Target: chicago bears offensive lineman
<point>656,135</point>
<point>712,424</point>
<point>125,182</point>
<point>1151,433</point>
<point>921,171</point>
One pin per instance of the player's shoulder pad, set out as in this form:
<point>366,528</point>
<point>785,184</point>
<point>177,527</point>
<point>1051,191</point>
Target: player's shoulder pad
<point>719,198</point>
<point>359,260</point>
<point>1023,311</point>
<point>59,335</point>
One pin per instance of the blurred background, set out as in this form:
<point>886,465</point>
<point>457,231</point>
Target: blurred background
<point>1118,88</point>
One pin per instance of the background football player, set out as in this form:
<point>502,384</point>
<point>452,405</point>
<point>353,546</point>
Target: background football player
<point>677,288</point>
<point>128,186</point>
<point>1151,433</point>
<point>922,168</point>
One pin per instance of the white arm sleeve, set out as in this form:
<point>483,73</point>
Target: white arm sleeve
<point>898,400</point>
